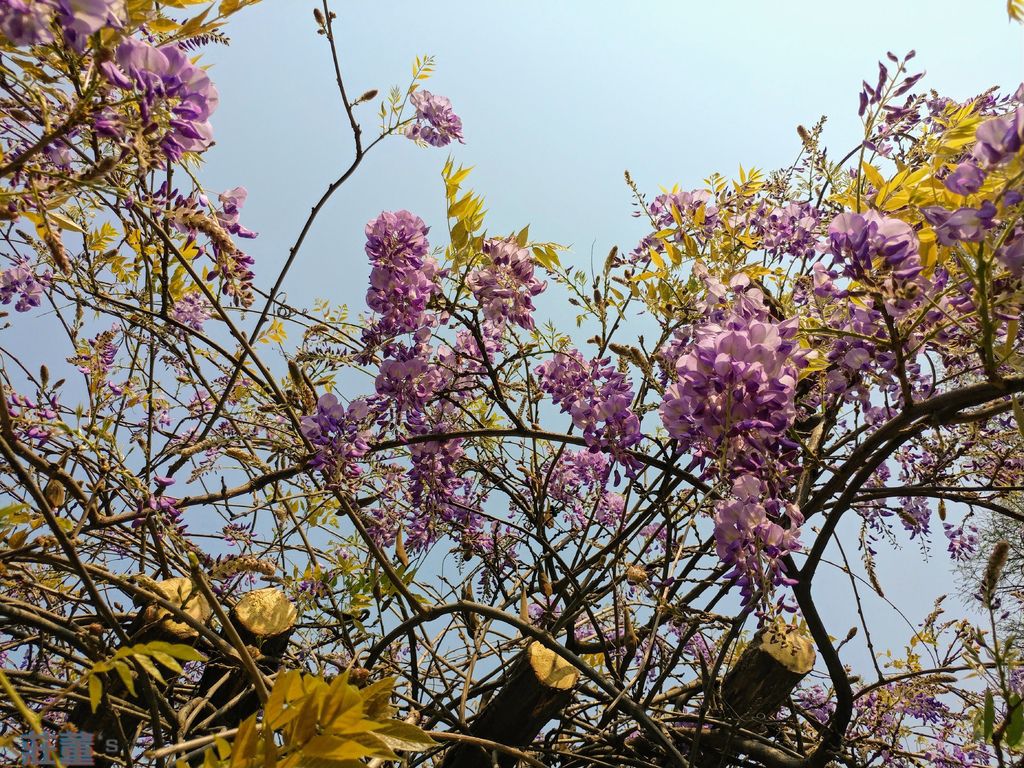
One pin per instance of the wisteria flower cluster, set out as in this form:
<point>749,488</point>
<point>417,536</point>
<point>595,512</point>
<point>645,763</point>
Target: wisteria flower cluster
<point>735,394</point>
<point>435,122</point>
<point>404,274</point>
<point>166,77</point>
<point>732,404</point>
<point>25,284</point>
<point>505,287</point>
<point>578,484</point>
<point>858,241</point>
<point>339,435</point>
<point>30,22</point>
<point>599,399</point>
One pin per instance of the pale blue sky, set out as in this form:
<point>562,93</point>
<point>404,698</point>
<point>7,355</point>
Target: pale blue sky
<point>557,100</point>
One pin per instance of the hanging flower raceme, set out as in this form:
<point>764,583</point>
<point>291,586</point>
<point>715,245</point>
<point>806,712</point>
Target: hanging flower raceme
<point>191,310</point>
<point>599,399</point>
<point>1000,138</point>
<point>404,275</point>
<point>965,179</point>
<point>194,215</point>
<point>23,282</point>
<point>408,380</point>
<point>753,533</point>
<point>731,405</point>
<point>734,397</point>
<point>789,229</point>
<point>231,203</point>
<point>96,360</point>
<point>577,484</point>
<point>167,78</point>
<point>339,437</point>
<point>961,225</point>
<point>436,123</point>
<point>33,419</point>
<point>29,22</point>
<point>437,491</point>
<point>505,287</point>
<point>869,246</point>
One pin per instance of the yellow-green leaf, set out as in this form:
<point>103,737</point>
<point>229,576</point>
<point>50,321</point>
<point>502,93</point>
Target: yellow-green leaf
<point>95,691</point>
<point>405,736</point>
<point>1018,413</point>
<point>125,673</point>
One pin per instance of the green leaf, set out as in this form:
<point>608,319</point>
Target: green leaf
<point>147,664</point>
<point>1015,728</point>
<point>377,699</point>
<point>989,717</point>
<point>167,660</point>
<point>405,736</point>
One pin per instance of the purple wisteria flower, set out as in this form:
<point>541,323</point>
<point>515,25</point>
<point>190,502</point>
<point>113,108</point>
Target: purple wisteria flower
<point>408,380</point>
<point>963,540</point>
<point>436,123</point>
<point>81,18</point>
<point>744,532</point>
<point>577,483</point>
<point>966,179</point>
<point>339,435</point>
<point>857,240</point>
<point>736,387</point>
<point>506,286</point>
<point>32,418</point>
<point>963,224</point>
<point>404,275</point>
<point>438,493</point>
<point>731,404</point>
<point>599,399</point>
<point>99,360</point>
<point>166,76</point>
<point>191,310</point>
<point>22,281</point>
<point>29,22</point>
<point>26,22</point>
<point>999,138</point>
<point>231,205</point>
<point>789,229</point>
<point>1011,255</point>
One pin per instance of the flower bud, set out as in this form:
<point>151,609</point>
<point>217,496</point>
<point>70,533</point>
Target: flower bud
<point>993,570</point>
<point>636,574</point>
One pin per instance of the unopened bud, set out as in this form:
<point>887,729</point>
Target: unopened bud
<point>370,94</point>
<point>358,676</point>
<point>609,262</point>
<point>994,569</point>
<point>55,493</point>
<point>319,16</point>
<point>636,574</point>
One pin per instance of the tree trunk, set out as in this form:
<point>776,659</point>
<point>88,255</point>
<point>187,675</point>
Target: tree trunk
<point>265,620</point>
<point>758,684</point>
<point>538,687</point>
<point>152,623</point>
